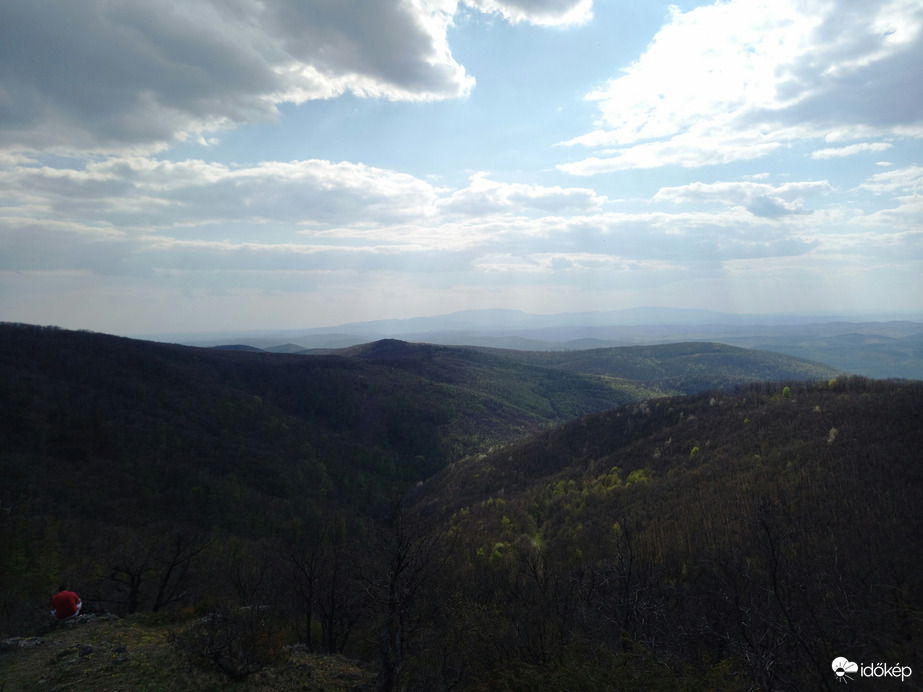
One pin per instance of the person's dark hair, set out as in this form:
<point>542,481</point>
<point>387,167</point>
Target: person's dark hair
<point>62,588</point>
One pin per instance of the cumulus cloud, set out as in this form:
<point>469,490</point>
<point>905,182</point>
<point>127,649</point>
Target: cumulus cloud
<point>140,216</point>
<point>740,79</point>
<point>760,199</point>
<point>904,187</point>
<point>909,179</point>
<point>143,74</point>
<point>141,192</point>
<point>485,196</point>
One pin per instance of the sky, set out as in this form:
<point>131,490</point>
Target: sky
<point>209,165</point>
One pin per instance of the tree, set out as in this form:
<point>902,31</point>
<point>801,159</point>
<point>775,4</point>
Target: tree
<point>158,559</point>
<point>409,557</point>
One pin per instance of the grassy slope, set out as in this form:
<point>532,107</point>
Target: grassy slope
<point>142,655</point>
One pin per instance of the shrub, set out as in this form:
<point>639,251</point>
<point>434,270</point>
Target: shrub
<point>239,642</point>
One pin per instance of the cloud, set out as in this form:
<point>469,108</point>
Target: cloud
<point>578,263</point>
<point>541,12</point>
<point>137,192</point>
<point>687,150</point>
<point>740,79</point>
<point>273,200</point>
<point>484,196</point>
<point>48,246</point>
<point>140,216</point>
<point>851,150</point>
<point>905,186</point>
<point>93,74</point>
<point>760,199</point>
<point>909,179</point>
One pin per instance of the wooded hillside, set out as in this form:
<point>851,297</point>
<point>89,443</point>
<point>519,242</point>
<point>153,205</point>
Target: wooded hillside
<point>469,519</point>
<point>756,535</point>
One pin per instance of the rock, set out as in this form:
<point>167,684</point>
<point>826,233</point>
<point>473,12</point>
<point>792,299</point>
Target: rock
<point>26,642</point>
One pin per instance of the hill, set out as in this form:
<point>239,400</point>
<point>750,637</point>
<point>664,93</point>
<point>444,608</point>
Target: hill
<point>876,345</point>
<point>751,537</point>
<point>723,541</point>
<point>354,501</point>
<point>187,424</point>
<point>143,653</point>
<point>679,368</point>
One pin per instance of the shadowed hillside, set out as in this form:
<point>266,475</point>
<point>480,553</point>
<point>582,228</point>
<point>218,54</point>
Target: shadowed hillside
<point>155,424</point>
<point>463,518</point>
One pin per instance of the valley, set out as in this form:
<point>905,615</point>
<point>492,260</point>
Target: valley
<point>465,517</point>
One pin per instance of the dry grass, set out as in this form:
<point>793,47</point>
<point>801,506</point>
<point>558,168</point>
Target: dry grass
<point>138,655</point>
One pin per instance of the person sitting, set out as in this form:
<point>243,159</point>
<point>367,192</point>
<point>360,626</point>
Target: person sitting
<point>65,605</point>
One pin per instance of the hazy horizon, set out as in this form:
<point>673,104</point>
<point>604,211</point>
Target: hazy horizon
<point>201,167</point>
<point>497,322</point>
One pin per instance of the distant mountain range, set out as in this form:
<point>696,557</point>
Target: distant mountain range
<point>878,346</point>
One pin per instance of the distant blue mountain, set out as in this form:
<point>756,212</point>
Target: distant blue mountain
<point>874,345</point>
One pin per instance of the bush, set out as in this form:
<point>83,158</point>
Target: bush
<point>239,642</point>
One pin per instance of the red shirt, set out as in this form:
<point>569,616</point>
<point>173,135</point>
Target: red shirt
<point>64,604</point>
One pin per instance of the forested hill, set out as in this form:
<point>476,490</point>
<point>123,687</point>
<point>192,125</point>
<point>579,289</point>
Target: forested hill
<point>733,539</point>
<point>684,367</point>
<point>389,407</point>
<point>721,542</point>
<point>128,422</point>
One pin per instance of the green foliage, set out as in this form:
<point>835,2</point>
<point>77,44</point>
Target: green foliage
<point>734,569</point>
<point>639,476</point>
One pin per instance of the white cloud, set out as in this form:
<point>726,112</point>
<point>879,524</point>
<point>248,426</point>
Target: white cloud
<point>760,199</point>
<point>140,192</point>
<point>737,80</point>
<point>541,12</point>
<point>851,150</point>
<point>485,196</point>
<point>138,216</point>
<point>905,185</point>
<point>909,179</point>
<point>687,150</point>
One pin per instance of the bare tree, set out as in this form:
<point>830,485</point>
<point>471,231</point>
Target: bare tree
<point>409,556</point>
